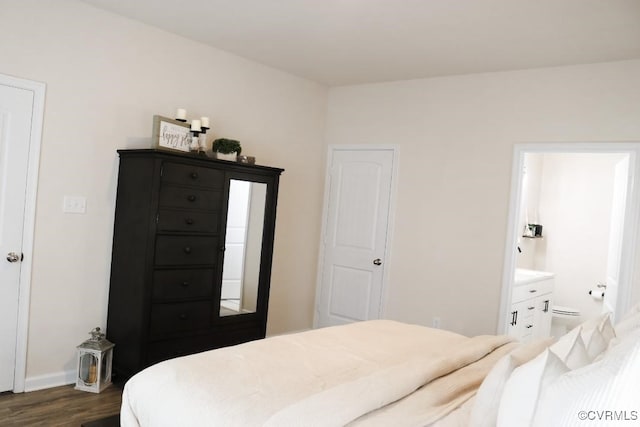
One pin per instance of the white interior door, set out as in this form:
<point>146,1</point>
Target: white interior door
<point>355,235</point>
<point>618,208</point>
<point>16,111</point>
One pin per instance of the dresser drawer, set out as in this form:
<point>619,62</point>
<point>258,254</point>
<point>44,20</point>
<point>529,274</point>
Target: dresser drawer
<point>186,250</point>
<point>176,284</point>
<point>173,347</point>
<point>204,222</point>
<point>168,349</point>
<point>192,198</point>
<point>179,317</point>
<point>177,173</point>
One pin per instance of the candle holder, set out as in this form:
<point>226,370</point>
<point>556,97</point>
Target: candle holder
<point>202,140</point>
<point>194,146</point>
<point>196,128</point>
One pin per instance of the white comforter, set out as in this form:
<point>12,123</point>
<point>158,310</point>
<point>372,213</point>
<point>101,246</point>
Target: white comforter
<point>325,377</point>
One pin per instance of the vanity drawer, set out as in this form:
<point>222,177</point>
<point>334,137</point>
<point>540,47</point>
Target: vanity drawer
<point>531,290</point>
<point>177,284</point>
<point>192,198</point>
<point>180,317</point>
<point>186,250</point>
<point>192,175</point>
<point>205,222</point>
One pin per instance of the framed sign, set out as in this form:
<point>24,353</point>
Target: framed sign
<point>170,134</point>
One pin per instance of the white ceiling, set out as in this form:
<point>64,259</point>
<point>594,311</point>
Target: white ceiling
<point>340,42</point>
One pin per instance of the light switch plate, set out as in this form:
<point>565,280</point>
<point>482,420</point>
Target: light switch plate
<point>74,204</point>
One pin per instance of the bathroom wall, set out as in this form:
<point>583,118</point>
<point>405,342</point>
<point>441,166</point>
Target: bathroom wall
<point>529,207</point>
<point>574,194</point>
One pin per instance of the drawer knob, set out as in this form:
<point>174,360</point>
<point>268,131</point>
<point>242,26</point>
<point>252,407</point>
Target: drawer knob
<point>185,284</point>
<point>183,316</point>
<point>191,198</point>
<point>187,250</point>
<point>530,308</point>
<point>533,291</point>
<point>194,175</point>
<point>189,221</point>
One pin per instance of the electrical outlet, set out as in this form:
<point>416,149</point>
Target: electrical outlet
<point>74,204</point>
<point>436,322</point>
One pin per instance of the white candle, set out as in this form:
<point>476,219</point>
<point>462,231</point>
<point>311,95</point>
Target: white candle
<point>205,122</point>
<point>181,114</point>
<point>195,125</point>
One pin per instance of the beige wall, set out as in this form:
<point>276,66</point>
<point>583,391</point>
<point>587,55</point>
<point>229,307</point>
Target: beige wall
<point>106,77</point>
<point>456,137</point>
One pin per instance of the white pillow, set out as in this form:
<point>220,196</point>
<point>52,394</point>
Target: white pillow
<point>571,349</point>
<point>594,323</point>
<point>622,342</point>
<point>484,412</point>
<point>521,391</point>
<point>562,347</point>
<point>583,396</point>
<point>595,344</point>
<point>608,332</point>
<point>628,324</point>
<point>632,311</point>
<point>485,407</point>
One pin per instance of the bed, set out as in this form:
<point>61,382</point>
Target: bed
<point>374,373</point>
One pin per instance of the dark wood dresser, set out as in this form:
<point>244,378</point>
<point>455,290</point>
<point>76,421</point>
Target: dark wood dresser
<point>191,261</point>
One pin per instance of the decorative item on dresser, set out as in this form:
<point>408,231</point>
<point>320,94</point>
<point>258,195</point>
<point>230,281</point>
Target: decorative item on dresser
<point>192,251</point>
<point>170,134</point>
<point>226,149</point>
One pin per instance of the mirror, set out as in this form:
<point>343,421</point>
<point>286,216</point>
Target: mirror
<point>243,247</point>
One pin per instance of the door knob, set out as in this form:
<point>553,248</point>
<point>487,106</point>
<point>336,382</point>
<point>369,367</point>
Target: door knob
<point>13,257</point>
<point>377,261</point>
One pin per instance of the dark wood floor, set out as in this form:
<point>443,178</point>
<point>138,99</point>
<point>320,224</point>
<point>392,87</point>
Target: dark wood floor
<point>59,406</point>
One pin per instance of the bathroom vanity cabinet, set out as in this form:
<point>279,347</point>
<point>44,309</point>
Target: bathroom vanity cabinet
<point>532,302</point>
<point>192,251</point>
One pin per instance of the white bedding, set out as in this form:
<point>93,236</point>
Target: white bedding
<point>366,373</point>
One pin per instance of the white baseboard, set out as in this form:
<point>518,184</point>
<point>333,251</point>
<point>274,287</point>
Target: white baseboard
<point>49,380</point>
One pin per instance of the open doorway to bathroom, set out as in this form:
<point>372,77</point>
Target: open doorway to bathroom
<point>573,218</point>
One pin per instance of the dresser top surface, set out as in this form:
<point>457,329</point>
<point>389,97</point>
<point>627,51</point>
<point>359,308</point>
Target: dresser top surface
<point>165,154</point>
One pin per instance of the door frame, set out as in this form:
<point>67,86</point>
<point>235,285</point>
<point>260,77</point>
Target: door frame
<point>28,225</point>
<point>627,263</point>
<point>395,149</point>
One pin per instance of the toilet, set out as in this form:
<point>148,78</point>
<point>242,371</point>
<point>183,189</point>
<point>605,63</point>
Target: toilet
<point>563,319</point>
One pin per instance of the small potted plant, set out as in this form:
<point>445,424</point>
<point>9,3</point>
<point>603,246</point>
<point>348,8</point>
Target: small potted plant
<point>226,149</point>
